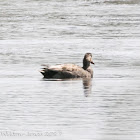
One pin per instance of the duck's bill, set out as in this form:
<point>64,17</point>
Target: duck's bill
<point>92,62</point>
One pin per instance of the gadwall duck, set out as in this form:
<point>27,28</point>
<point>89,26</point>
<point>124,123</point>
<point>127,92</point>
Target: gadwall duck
<point>70,70</point>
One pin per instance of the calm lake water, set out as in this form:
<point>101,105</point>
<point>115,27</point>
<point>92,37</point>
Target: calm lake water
<point>35,32</point>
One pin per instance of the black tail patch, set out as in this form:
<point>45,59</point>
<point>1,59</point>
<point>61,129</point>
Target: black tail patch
<point>48,73</point>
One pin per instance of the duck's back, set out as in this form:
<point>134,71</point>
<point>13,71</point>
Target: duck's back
<point>65,71</point>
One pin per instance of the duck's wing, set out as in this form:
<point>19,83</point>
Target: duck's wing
<point>65,71</point>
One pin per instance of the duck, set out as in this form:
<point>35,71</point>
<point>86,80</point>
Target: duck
<point>65,71</point>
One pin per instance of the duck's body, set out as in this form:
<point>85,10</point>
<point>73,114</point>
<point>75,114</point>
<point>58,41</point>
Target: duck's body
<point>70,70</point>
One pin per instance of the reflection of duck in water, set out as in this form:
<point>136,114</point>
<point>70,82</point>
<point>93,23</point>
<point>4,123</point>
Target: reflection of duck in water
<point>70,70</point>
<point>87,86</point>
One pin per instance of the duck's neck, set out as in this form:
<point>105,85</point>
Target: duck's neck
<point>86,64</point>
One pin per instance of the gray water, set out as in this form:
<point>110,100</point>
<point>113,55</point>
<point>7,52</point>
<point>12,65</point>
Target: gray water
<point>35,32</point>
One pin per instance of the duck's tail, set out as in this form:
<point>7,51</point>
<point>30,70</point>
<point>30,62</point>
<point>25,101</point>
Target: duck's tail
<point>42,71</point>
<point>47,73</point>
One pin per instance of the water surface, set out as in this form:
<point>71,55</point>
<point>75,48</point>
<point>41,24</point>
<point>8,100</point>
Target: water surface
<point>35,32</point>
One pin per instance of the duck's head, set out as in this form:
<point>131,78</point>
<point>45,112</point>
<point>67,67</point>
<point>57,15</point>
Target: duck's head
<point>88,58</point>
